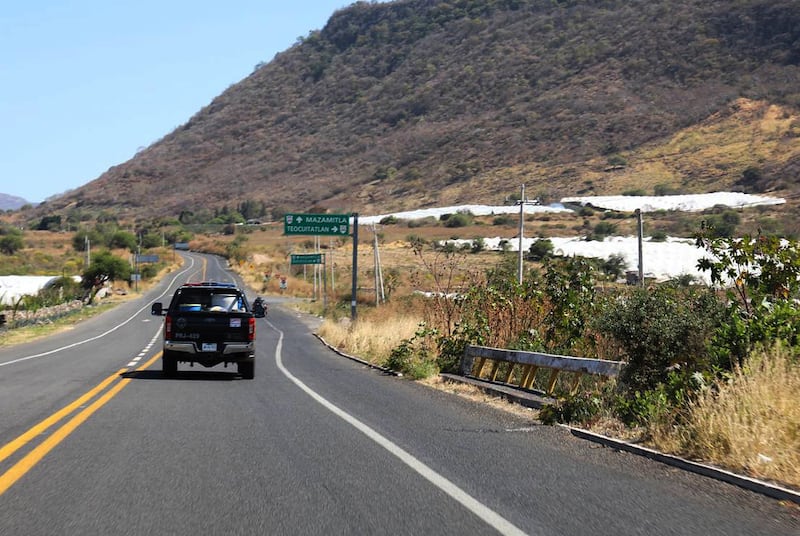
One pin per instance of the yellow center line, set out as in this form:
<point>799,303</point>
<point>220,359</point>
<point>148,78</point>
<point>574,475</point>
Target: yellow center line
<point>40,428</point>
<point>10,477</point>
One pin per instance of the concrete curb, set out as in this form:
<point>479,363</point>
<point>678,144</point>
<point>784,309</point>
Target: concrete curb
<point>527,399</point>
<point>771,490</point>
<point>357,359</point>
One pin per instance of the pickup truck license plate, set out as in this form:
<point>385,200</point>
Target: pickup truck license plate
<point>209,347</point>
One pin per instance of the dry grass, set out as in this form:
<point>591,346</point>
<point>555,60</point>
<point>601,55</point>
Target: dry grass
<point>371,339</point>
<point>475,394</point>
<point>749,423</point>
<point>11,337</point>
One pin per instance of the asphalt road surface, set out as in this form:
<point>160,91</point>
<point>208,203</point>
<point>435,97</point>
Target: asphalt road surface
<point>93,440</point>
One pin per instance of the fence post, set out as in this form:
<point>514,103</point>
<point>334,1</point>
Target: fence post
<point>465,368</point>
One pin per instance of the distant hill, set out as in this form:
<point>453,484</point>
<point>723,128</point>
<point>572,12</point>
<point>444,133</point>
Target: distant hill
<point>415,103</point>
<point>11,202</point>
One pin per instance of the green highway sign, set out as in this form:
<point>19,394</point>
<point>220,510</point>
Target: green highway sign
<point>307,258</point>
<point>316,224</point>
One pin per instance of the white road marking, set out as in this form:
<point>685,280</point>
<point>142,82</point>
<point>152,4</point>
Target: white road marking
<point>489,516</point>
<point>144,352</point>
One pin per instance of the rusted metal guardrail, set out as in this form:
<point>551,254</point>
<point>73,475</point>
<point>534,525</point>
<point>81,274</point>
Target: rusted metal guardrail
<point>475,358</point>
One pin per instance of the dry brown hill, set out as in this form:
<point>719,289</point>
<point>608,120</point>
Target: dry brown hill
<point>421,102</point>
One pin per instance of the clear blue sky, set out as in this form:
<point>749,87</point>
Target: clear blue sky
<point>84,84</point>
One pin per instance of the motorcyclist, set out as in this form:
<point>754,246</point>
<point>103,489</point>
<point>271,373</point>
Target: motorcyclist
<point>259,307</point>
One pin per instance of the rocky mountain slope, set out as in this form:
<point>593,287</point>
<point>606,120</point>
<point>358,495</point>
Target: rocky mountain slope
<point>415,103</point>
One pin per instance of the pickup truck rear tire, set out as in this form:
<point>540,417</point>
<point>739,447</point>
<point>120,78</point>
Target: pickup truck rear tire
<point>247,369</point>
<point>169,364</point>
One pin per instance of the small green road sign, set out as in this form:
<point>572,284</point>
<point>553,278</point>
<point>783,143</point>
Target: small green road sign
<point>316,224</point>
<point>307,258</point>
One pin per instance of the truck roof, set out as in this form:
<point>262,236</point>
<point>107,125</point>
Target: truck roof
<point>210,284</point>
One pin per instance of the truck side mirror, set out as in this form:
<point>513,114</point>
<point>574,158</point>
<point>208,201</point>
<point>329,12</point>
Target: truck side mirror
<point>157,309</point>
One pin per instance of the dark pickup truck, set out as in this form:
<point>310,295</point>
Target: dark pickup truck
<point>208,323</point>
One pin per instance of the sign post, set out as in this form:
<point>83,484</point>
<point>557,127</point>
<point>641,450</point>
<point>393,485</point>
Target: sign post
<point>355,268</point>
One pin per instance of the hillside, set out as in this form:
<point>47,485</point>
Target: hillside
<point>415,103</point>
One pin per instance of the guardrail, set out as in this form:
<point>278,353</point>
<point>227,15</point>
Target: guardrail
<point>475,358</point>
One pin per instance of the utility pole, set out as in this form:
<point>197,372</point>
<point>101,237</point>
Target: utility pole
<point>640,228</point>
<point>522,202</point>
<point>521,231</point>
<point>379,294</point>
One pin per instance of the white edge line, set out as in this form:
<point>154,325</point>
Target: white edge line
<point>492,518</point>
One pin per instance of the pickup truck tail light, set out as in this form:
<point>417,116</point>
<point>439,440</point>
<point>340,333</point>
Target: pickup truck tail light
<point>251,331</point>
<point>167,328</point>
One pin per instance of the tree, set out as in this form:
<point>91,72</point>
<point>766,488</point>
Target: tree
<point>49,223</point>
<point>10,244</point>
<point>122,240</point>
<point>79,239</point>
<point>10,240</point>
<point>105,267</point>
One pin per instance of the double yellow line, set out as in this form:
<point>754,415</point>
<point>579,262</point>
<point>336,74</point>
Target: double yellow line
<point>19,469</point>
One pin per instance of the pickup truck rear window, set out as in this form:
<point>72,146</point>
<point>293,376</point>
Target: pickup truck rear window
<point>196,300</point>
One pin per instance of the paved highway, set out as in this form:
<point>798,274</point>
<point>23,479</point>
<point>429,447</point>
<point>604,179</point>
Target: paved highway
<point>93,440</point>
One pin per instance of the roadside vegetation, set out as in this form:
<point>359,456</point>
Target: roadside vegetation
<point>98,256</point>
<point>712,372</point>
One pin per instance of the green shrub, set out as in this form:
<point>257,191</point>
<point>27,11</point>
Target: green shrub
<point>617,160</point>
<point>504,219</point>
<point>614,266</point>
<point>722,225</point>
<point>461,219</point>
<point>428,221</point>
<point>581,408</point>
<point>414,357</point>
<point>664,189</point>
<point>149,271</point>
<point>762,301</point>
<point>662,405</point>
<point>636,192</point>
<point>603,229</point>
<point>660,328</point>
<point>540,248</point>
